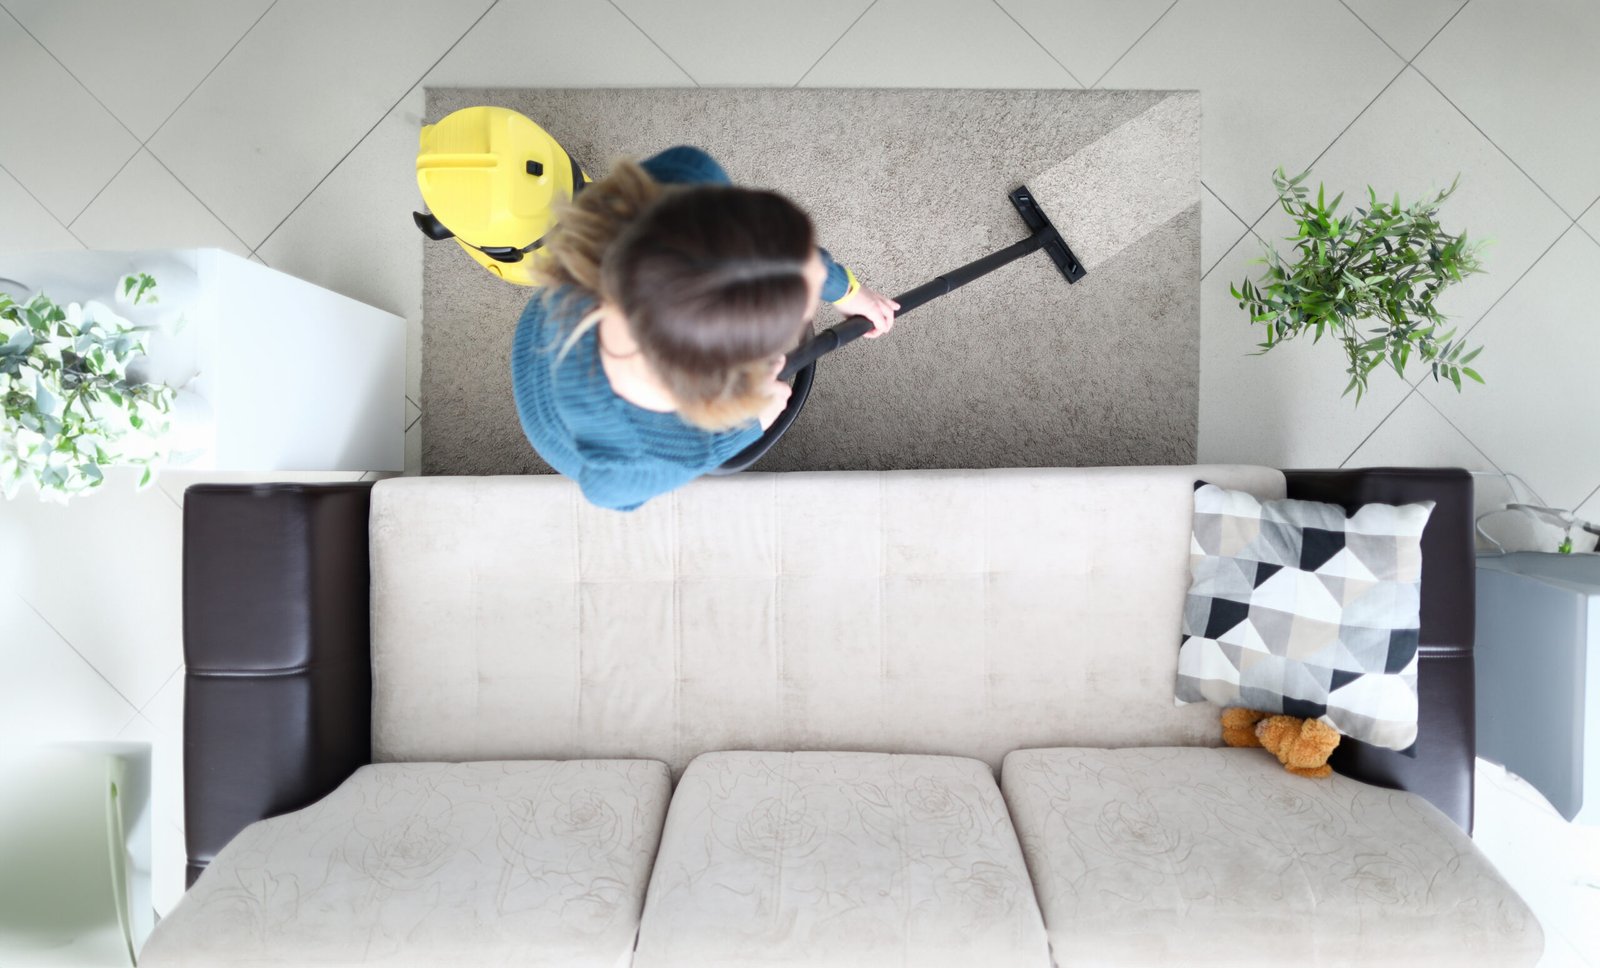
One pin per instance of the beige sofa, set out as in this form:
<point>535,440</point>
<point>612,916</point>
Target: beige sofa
<point>905,718</point>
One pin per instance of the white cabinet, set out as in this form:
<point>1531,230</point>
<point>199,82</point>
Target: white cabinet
<point>275,374</point>
<point>1538,674</point>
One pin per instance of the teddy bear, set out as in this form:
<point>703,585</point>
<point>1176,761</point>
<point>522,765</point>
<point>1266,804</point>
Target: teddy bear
<point>1301,745</point>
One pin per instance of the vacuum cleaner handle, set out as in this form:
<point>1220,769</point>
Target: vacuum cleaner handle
<point>823,343</point>
<point>856,327</point>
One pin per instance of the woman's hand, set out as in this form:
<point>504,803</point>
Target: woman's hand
<point>778,399</point>
<point>875,306</point>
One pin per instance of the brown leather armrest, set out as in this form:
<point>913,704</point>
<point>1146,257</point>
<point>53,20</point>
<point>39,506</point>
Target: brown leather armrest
<point>276,640</point>
<point>1446,747</point>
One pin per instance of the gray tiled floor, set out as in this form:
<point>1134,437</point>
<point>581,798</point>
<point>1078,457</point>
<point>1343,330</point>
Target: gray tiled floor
<point>285,129</point>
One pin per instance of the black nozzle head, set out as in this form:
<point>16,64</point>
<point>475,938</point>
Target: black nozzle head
<point>1039,224</point>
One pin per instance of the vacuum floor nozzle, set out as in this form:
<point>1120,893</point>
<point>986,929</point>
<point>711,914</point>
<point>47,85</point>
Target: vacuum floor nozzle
<point>1051,241</point>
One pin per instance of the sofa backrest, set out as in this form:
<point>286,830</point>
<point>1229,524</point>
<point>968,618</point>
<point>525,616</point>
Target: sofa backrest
<point>965,612</point>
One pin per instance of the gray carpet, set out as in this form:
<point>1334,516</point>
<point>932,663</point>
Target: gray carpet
<point>1017,369</point>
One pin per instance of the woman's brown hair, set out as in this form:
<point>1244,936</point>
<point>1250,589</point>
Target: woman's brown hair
<point>710,278</point>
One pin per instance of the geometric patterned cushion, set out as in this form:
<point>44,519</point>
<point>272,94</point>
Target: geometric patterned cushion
<point>1296,608</point>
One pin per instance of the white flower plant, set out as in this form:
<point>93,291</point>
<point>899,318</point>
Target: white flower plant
<point>70,407</point>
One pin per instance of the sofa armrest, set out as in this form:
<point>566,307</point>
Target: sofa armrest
<point>276,629</point>
<point>1442,769</point>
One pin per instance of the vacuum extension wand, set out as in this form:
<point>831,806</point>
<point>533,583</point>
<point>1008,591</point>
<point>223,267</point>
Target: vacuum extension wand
<point>800,365</point>
<point>1043,236</point>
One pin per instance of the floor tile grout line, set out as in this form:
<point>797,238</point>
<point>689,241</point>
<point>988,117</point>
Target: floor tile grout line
<point>164,684</point>
<point>1417,388</point>
<point>109,181</point>
<point>382,116</point>
<point>202,202</point>
<point>1249,232</point>
<point>864,12</point>
<point>43,207</point>
<point>143,143</point>
<point>1374,32</point>
<point>1410,389</point>
<point>1226,207</point>
<point>1136,41</point>
<point>1593,206</point>
<point>1040,43</point>
<point>653,43</point>
<point>1364,110</point>
<point>131,720</point>
<point>1516,282</point>
<point>201,83</point>
<point>1435,36</point>
<point>1559,207</point>
<point>67,225</point>
<point>51,54</point>
<point>1342,132</point>
<point>68,643</point>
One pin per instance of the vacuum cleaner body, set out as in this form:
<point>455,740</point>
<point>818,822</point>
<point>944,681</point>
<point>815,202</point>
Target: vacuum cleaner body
<point>491,179</point>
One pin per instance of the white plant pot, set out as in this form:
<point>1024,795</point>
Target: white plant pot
<point>177,290</point>
<point>194,428</point>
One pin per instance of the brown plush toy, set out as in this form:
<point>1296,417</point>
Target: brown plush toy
<point>1301,745</point>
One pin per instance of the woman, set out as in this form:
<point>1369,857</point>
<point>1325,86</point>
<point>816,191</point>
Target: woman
<point>670,297</point>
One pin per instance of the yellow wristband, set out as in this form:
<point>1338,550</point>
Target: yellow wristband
<point>854,287</point>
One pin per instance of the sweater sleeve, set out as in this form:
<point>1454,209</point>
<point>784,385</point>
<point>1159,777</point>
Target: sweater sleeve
<point>622,485</point>
<point>840,283</point>
<point>731,442</point>
<point>685,165</point>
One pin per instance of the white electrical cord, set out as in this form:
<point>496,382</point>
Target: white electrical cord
<point>1555,517</point>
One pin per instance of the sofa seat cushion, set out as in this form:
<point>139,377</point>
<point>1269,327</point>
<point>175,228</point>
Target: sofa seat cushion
<point>1220,856</point>
<point>839,859</point>
<point>526,863</point>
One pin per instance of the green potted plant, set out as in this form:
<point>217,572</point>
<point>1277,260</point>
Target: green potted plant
<point>1382,267</point>
<point>69,405</point>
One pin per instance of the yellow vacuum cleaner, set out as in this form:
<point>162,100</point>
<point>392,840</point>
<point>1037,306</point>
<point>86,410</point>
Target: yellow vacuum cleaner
<point>491,179</point>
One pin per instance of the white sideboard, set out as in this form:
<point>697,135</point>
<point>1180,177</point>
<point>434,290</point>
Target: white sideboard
<point>274,373</point>
<point>1538,674</point>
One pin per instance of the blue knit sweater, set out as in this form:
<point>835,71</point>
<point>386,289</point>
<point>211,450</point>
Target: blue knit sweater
<point>620,454</point>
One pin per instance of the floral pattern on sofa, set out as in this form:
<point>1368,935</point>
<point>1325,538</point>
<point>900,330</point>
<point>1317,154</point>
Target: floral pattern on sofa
<point>839,858</point>
<point>513,862</point>
<point>1219,856</point>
